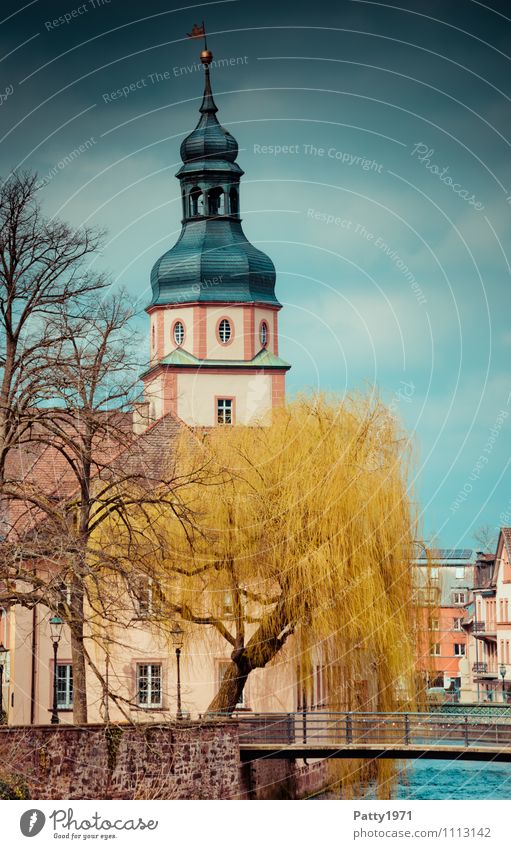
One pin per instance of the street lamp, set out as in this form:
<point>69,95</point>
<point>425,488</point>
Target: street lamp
<point>3,655</point>
<point>177,635</point>
<point>56,625</point>
<point>502,671</point>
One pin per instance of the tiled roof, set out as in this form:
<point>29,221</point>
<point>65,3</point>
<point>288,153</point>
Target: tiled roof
<point>43,468</point>
<point>263,359</point>
<point>506,533</point>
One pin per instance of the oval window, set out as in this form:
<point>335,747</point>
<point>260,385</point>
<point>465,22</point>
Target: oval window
<point>263,334</point>
<point>179,333</point>
<point>224,331</point>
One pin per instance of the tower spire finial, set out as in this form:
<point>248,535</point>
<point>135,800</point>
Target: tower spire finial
<point>206,58</point>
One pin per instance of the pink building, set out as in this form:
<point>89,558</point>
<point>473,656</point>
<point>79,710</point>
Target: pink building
<point>488,667</point>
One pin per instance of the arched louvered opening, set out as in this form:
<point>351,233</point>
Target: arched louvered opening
<point>216,201</point>
<point>233,201</point>
<point>196,202</point>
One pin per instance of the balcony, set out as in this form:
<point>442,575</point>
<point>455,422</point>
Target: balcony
<point>485,630</point>
<point>481,670</point>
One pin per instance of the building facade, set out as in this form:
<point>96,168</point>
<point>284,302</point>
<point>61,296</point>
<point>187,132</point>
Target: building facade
<point>487,671</point>
<point>444,579</point>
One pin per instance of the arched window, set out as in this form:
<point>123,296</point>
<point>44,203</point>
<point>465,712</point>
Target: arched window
<point>263,334</point>
<point>224,331</point>
<point>233,201</point>
<point>153,336</point>
<point>216,202</point>
<point>196,202</point>
<point>178,332</point>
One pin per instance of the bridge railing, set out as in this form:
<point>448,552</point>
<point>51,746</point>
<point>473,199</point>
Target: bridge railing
<point>327,729</point>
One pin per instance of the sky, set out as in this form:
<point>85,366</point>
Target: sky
<point>376,148</point>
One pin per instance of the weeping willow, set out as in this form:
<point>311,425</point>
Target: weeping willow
<point>305,531</point>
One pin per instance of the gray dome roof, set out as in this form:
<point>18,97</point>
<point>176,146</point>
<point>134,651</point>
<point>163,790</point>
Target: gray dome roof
<point>209,140</point>
<point>213,261</point>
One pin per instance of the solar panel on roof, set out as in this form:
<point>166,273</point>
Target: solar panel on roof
<point>447,554</point>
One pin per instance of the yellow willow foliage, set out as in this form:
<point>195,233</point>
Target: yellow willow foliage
<point>295,538</point>
<point>313,511</point>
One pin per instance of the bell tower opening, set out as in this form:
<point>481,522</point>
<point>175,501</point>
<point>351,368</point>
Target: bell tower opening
<point>196,202</point>
<point>216,201</point>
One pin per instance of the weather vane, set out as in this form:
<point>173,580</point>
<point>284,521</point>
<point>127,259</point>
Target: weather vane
<point>199,31</point>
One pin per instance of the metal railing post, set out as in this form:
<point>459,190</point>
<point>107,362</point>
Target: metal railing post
<point>466,731</point>
<point>407,730</point>
<point>349,728</point>
<point>290,735</point>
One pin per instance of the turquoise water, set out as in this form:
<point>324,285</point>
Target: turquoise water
<point>462,780</point>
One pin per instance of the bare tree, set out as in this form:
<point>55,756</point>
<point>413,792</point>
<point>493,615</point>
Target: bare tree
<point>486,536</point>
<point>42,267</point>
<point>68,455</point>
<point>55,555</point>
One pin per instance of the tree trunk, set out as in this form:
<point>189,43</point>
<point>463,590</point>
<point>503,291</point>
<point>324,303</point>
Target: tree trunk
<point>260,649</point>
<point>78,654</point>
<point>230,690</point>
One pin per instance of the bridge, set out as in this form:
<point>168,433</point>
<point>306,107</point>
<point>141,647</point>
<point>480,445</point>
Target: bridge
<point>317,734</point>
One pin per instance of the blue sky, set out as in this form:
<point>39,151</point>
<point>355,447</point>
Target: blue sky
<point>375,143</point>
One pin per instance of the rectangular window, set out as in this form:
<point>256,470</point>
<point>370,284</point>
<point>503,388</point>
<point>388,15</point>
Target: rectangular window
<point>224,411</point>
<point>149,685</point>
<point>460,572</point>
<point>456,623</point>
<point>434,625</point>
<point>227,607</point>
<point>148,597</point>
<point>428,596</point>
<point>64,686</point>
<point>459,649</point>
<point>458,598</point>
<point>435,650</point>
<point>222,667</point>
<point>320,687</point>
<point>434,573</point>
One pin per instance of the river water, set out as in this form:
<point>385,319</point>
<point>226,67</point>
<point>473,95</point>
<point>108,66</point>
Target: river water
<point>449,780</point>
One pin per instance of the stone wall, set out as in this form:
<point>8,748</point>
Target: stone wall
<point>180,760</point>
<point>283,779</point>
<point>311,779</point>
<point>174,761</point>
<point>268,779</point>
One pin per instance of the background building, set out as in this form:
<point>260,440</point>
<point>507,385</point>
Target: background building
<point>487,672</point>
<point>444,580</point>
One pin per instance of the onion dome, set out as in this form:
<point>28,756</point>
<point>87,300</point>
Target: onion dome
<point>209,140</point>
<point>212,261</point>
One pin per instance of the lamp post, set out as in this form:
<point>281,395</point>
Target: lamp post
<point>56,625</point>
<point>3,655</point>
<point>177,634</point>
<point>502,671</point>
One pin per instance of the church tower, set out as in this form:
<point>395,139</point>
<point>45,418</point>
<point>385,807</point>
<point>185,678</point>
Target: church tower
<point>214,314</point>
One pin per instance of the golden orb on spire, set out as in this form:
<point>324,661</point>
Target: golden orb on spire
<point>206,57</point>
